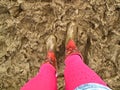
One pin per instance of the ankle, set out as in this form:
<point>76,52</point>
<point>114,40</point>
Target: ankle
<point>51,58</point>
<point>71,49</point>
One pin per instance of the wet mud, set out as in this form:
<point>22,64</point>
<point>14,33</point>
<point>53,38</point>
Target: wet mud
<point>25,26</point>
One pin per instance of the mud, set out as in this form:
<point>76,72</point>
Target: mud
<point>25,26</point>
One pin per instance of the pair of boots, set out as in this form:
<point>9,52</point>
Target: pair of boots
<point>70,45</point>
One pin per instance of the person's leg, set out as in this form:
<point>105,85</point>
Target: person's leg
<point>77,73</point>
<point>44,80</point>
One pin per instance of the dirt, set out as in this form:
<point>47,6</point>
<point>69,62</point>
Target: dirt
<point>25,26</point>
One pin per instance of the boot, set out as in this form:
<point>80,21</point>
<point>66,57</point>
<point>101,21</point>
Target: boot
<point>51,48</point>
<point>70,45</point>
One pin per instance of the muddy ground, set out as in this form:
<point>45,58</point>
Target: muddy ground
<point>25,26</point>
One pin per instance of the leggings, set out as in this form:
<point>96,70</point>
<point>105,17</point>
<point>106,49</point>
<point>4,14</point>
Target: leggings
<point>76,73</point>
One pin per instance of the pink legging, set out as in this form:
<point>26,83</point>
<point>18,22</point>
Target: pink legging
<point>76,73</point>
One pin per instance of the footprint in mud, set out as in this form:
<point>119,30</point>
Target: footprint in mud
<point>46,0</point>
<point>15,11</point>
<point>69,1</point>
<point>39,1</point>
<point>3,10</point>
<point>108,69</point>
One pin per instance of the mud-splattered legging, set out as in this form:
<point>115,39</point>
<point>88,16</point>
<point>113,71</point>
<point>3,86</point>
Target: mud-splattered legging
<point>76,73</point>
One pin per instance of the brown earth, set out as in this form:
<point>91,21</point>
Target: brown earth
<point>25,26</point>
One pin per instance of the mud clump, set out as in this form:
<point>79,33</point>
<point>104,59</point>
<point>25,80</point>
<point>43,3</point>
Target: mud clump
<point>25,26</point>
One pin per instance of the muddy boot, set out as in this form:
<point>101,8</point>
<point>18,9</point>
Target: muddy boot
<point>70,45</point>
<point>51,47</point>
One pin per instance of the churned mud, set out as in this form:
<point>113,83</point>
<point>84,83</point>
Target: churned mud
<point>25,26</point>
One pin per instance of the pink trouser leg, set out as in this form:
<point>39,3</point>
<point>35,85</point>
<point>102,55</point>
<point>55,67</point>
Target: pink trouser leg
<point>44,80</point>
<point>77,73</point>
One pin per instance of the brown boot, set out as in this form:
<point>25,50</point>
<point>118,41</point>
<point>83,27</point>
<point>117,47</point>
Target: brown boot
<point>70,45</point>
<point>51,47</point>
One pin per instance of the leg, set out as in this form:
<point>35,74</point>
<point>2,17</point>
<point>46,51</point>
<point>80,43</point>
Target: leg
<point>77,73</point>
<point>45,80</point>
